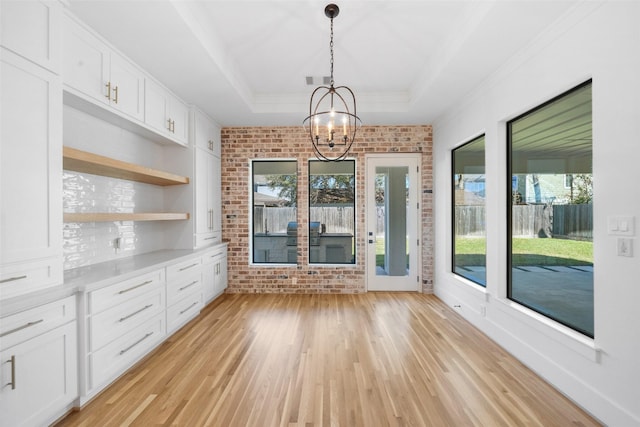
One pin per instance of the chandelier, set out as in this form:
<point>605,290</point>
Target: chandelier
<point>332,122</point>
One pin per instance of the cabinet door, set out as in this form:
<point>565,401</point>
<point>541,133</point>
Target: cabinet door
<point>220,271</point>
<point>39,378</point>
<point>30,29</point>
<point>215,198</point>
<point>179,116</point>
<point>156,107</point>
<point>127,88</point>
<point>206,134</point>
<point>202,213</point>
<point>208,281</point>
<point>31,161</point>
<point>85,62</point>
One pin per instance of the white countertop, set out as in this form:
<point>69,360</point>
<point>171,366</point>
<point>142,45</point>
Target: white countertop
<point>96,276</point>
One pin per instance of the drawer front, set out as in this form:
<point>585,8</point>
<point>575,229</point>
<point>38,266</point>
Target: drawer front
<point>213,255</point>
<point>112,360</point>
<point>121,292</point>
<point>183,311</point>
<point>27,324</point>
<point>112,323</point>
<point>179,289</point>
<point>183,269</point>
<point>207,239</point>
<point>21,278</point>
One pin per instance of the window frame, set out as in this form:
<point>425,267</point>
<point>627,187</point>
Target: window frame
<point>251,183</point>
<point>453,207</point>
<point>509,202</point>
<point>355,219</point>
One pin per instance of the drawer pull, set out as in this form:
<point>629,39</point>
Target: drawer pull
<point>13,279</point>
<point>122,319</point>
<point>188,286</point>
<point>188,308</point>
<point>19,328</point>
<point>136,343</point>
<point>188,267</point>
<point>135,287</point>
<point>13,372</point>
<point>210,238</point>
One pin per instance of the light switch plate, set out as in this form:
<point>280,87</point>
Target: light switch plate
<point>621,225</point>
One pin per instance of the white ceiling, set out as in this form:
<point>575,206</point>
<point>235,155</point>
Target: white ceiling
<point>245,62</point>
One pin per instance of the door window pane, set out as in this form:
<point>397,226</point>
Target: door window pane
<point>391,235</point>
<point>550,234</point>
<point>275,189</point>
<point>469,228</point>
<point>332,190</point>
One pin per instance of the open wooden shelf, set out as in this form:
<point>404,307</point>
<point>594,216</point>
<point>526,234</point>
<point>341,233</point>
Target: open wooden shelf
<point>82,161</point>
<point>106,217</point>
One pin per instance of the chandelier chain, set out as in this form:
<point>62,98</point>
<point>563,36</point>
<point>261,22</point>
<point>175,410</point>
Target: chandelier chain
<point>331,50</point>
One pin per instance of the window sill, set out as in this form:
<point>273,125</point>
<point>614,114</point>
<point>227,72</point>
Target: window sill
<point>563,335</point>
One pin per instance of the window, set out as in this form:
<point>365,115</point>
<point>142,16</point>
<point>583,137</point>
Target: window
<point>274,199</point>
<point>332,199</point>
<point>468,195</point>
<point>550,227</point>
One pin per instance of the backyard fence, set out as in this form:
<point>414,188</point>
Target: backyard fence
<point>561,221</point>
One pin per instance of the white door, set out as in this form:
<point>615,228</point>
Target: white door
<point>393,231</point>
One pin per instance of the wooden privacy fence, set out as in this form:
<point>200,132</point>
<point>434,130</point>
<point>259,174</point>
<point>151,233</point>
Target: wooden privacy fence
<point>338,219</point>
<point>560,221</point>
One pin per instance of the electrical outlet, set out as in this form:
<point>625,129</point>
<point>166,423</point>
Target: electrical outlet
<point>483,310</point>
<point>625,247</point>
<point>294,280</point>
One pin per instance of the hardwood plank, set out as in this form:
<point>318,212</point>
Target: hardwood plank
<point>308,360</point>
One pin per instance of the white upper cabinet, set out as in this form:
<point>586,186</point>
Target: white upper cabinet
<point>206,134</point>
<point>208,206</point>
<point>91,69</point>
<point>30,176</point>
<point>165,113</point>
<point>42,21</point>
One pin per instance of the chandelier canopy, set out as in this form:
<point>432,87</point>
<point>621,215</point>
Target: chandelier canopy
<point>332,122</point>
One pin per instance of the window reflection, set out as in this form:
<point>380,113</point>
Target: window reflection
<point>469,227</point>
<point>332,212</point>
<point>551,213</point>
<point>274,194</point>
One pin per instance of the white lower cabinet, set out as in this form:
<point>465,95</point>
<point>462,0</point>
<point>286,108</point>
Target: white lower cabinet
<point>214,272</point>
<point>184,292</point>
<point>110,361</point>
<point>39,364</point>
<point>122,323</point>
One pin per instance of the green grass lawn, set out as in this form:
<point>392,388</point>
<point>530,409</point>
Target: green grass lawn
<point>470,251</point>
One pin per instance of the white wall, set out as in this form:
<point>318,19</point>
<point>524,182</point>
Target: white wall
<point>599,41</point>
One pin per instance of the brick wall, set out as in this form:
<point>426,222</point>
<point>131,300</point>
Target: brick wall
<point>242,144</point>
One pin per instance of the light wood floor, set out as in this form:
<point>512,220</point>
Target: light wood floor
<point>375,359</point>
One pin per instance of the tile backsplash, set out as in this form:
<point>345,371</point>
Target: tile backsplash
<point>93,242</point>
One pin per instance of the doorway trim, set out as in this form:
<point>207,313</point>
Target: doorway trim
<point>414,162</point>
